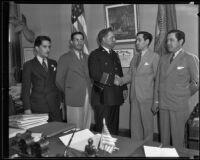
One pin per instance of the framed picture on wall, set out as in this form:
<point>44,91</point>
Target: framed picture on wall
<point>125,56</point>
<point>123,18</point>
<point>28,53</point>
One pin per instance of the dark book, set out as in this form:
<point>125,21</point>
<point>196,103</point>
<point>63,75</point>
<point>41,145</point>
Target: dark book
<point>52,128</point>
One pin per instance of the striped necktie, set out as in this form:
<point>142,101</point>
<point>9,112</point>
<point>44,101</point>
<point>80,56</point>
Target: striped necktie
<point>44,65</point>
<point>138,60</point>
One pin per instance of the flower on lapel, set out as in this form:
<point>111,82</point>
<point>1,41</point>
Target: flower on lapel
<point>54,68</point>
<point>146,64</point>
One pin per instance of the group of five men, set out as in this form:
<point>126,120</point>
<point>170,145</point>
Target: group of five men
<point>96,82</point>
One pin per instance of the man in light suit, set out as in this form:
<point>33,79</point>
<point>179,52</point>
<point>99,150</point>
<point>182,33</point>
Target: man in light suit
<point>176,81</point>
<point>73,80</point>
<point>39,91</point>
<point>141,75</point>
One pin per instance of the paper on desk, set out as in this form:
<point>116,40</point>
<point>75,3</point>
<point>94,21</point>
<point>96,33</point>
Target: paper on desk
<point>14,131</point>
<point>80,139</point>
<point>160,152</point>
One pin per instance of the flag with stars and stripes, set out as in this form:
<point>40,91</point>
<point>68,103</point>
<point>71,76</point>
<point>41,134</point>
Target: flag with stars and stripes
<point>79,23</point>
<point>107,142</point>
<point>166,21</point>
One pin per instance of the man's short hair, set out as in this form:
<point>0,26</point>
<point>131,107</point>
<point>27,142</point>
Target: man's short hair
<point>103,33</point>
<point>39,39</point>
<point>75,33</point>
<point>146,35</point>
<point>178,34</point>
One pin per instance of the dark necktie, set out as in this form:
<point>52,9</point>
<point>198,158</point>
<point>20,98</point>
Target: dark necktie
<point>172,58</point>
<point>44,65</point>
<point>138,60</point>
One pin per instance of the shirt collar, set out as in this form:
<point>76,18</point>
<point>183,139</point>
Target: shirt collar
<point>77,53</point>
<point>40,59</point>
<point>177,52</point>
<point>106,49</point>
<point>143,52</point>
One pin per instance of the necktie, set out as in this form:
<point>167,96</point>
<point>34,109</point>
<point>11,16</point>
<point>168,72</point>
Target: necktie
<point>80,56</point>
<point>172,58</point>
<point>44,65</point>
<point>138,60</point>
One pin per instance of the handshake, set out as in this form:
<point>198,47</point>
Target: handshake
<point>118,81</point>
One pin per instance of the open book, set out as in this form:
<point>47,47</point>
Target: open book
<point>80,139</point>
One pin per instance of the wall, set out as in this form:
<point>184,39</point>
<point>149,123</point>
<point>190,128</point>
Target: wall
<point>54,20</point>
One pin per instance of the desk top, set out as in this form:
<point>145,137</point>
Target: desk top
<point>127,148</point>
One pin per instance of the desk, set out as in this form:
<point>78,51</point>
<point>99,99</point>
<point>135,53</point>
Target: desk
<point>128,148</point>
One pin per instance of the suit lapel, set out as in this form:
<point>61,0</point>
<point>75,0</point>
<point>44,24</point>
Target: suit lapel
<point>50,67</point>
<point>144,59</point>
<point>77,62</point>
<point>174,62</point>
<point>39,68</point>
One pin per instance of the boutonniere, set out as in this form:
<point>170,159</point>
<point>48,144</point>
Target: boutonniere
<point>54,68</point>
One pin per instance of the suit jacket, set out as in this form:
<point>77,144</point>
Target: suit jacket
<point>72,78</point>
<point>39,91</point>
<point>142,78</point>
<point>176,82</point>
<point>102,68</point>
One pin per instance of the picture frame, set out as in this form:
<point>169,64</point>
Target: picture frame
<point>123,19</point>
<point>125,56</point>
<point>28,53</point>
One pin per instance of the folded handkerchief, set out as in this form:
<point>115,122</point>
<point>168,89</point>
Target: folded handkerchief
<point>146,63</point>
<point>180,67</point>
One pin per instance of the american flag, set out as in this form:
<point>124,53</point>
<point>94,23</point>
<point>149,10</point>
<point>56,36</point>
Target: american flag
<point>107,142</point>
<point>166,20</point>
<point>78,23</point>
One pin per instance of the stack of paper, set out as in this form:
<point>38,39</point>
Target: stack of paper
<point>27,121</point>
<point>160,152</point>
<point>14,131</point>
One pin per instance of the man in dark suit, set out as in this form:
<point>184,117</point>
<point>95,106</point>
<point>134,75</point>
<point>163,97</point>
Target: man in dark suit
<point>106,97</point>
<point>39,91</point>
<point>73,80</point>
<point>177,80</point>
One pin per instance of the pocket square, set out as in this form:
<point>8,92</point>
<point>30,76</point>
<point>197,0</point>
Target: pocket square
<point>146,64</point>
<point>180,67</point>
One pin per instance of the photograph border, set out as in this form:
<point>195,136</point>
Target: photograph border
<point>136,23</point>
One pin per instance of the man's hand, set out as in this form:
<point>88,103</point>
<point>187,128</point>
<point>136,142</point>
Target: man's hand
<point>117,81</point>
<point>27,111</point>
<point>155,108</point>
<point>125,94</point>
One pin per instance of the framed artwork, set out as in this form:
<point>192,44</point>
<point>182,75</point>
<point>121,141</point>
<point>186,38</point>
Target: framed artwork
<point>123,18</point>
<point>28,53</point>
<point>125,56</point>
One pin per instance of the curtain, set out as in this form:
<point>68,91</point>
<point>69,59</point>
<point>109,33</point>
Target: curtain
<point>14,46</point>
<point>166,21</point>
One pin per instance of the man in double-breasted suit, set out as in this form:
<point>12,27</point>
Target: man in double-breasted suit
<point>106,97</point>
<point>39,91</point>
<point>177,80</point>
<point>141,75</point>
<point>73,80</point>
